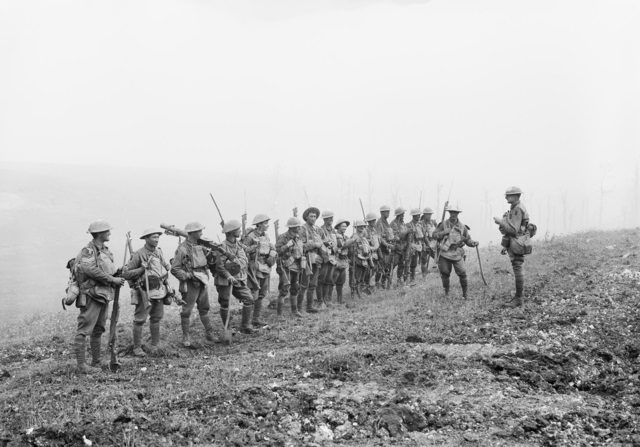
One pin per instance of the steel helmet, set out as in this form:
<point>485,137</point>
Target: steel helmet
<point>231,225</point>
<point>193,226</point>
<point>399,211</point>
<point>427,210</point>
<point>311,209</point>
<point>326,214</point>
<point>455,208</point>
<point>293,222</point>
<point>340,222</point>
<point>415,211</point>
<point>359,223</point>
<point>385,208</point>
<point>371,216</point>
<point>99,226</point>
<point>149,232</point>
<point>260,218</point>
<point>512,190</point>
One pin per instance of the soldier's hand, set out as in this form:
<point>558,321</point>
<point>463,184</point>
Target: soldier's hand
<point>289,244</point>
<point>119,282</point>
<point>232,281</point>
<point>144,264</point>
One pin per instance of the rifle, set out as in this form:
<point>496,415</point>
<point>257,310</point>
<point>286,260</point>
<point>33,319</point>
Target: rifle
<point>480,264</point>
<point>244,217</point>
<point>444,211</point>
<point>172,230</point>
<point>295,211</point>
<point>218,208</point>
<point>114,364</point>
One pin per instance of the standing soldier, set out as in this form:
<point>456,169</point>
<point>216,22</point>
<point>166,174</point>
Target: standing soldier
<point>328,252</point>
<point>310,236</point>
<point>360,256</point>
<point>189,265</point>
<point>231,276</point>
<point>400,237</point>
<point>374,240</point>
<point>514,223</point>
<point>452,235</point>
<point>290,254</point>
<point>383,276</point>
<point>429,244</point>
<point>98,280</point>
<point>342,259</point>
<point>415,238</point>
<point>263,256</point>
<point>148,274</point>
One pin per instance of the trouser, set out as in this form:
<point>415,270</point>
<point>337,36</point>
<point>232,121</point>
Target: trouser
<point>517,262</point>
<point>261,290</point>
<point>93,318</point>
<point>152,309</point>
<point>445,265</point>
<point>399,261</point>
<point>325,281</point>
<point>308,284</point>
<point>197,294</point>
<point>413,264</point>
<point>289,284</point>
<point>357,275</point>
<point>240,291</point>
<point>339,277</point>
<point>384,269</point>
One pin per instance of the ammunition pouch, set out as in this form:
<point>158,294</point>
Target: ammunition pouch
<point>232,267</point>
<point>521,245</point>
<point>101,291</point>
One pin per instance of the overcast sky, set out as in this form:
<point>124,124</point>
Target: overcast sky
<point>542,94</point>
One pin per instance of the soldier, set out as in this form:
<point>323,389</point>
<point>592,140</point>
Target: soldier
<point>231,276</point>
<point>429,244</point>
<point>374,240</point>
<point>514,223</point>
<point>452,235</point>
<point>148,273</point>
<point>189,266</point>
<point>415,239</point>
<point>400,237</point>
<point>328,253</point>
<point>360,256</point>
<point>98,280</point>
<point>383,276</point>
<point>342,258</point>
<point>290,254</point>
<point>310,236</point>
<point>263,254</point>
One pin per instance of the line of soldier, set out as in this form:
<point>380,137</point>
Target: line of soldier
<point>310,261</point>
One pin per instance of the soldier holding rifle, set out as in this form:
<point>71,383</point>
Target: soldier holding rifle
<point>328,253</point>
<point>428,244</point>
<point>383,276</point>
<point>99,282</point>
<point>310,236</point>
<point>290,250</point>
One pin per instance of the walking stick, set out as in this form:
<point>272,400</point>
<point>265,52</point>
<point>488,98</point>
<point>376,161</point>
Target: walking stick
<point>114,364</point>
<point>480,264</point>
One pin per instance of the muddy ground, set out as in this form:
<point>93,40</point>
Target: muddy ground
<point>404,367</point>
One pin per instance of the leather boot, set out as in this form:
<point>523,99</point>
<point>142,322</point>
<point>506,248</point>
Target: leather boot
<point>329,293</point>
<point>519,276</point>
<point>320,294</point>
<point>208,328</point>
<point>80,348</point>
<point>245,325</point>
<point>257,311</point>
<point>279,306</point>
<point>445,284</point>
<point>186,338</point>
<point>294,307</point>
<point>339,293</point>
<point>155,335</point>
<point>96,354</point>
<point>310,308</point>
<point>299,299</point>
<point>137,341</point>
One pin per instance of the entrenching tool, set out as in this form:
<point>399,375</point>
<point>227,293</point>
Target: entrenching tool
<point>226,332</point>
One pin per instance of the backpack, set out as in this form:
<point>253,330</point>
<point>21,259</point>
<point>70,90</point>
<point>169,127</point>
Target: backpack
<point>73,289</point>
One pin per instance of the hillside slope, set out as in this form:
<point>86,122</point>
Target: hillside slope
<point>404,367</point>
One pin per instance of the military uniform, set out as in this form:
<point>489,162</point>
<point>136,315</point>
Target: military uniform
<point>401,245</point>
<point>374,239</point>
<point>290,250</point>
<point>360,252</point>
<point>312,241</point>
<point>342,263</point>
<point>151,304</point>
<point>451,237</point>
<point>232,262</point>
<point>328,254</point>
<point>94,269</point>
<point>415,239</point>
<point>515,223</point>
<point>190,267</point>
<point>262,253</point>
<point>428,243</point>
<point>383,275</point>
